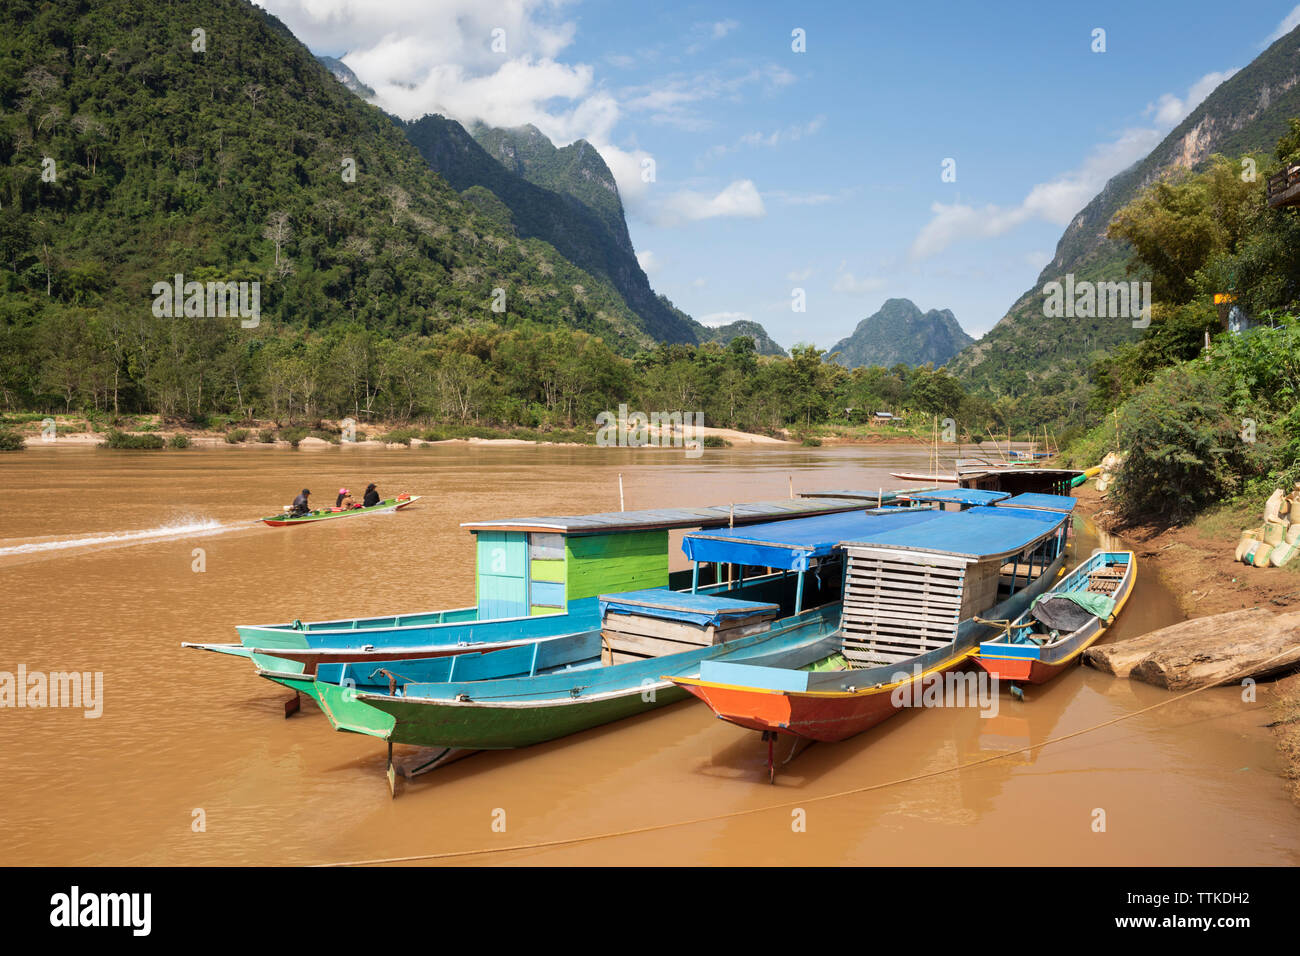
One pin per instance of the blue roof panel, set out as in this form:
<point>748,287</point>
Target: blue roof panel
<point>965,496</point>
<point>790,544</point>
<point>980,532</point>
<point>1033,500</point>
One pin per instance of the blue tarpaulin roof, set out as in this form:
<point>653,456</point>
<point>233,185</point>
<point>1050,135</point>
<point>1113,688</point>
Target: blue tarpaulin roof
<point>1033,500</point>
<point>790,544</point>
<point>699,609</point>
<point>979,532</point>
<point>965,496</point>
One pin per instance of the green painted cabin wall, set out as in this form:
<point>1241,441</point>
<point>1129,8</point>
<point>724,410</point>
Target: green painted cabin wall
<point>603,563</point>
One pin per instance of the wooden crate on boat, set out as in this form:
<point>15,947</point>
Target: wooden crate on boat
<point>639,625</point>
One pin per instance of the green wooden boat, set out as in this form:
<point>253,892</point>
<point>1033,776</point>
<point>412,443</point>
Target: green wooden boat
<point>326,514</point>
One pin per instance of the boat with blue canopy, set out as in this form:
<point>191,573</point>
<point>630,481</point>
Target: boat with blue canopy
<point>536,578</point>
<point>920,592</point>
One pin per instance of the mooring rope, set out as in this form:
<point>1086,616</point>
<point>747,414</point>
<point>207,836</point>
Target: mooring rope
<point>653,827</point>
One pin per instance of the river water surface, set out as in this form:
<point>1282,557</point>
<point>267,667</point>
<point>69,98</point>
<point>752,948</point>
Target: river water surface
<point>193,761</point>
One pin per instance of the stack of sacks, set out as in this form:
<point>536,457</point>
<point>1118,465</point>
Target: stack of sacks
<point>1277,541</point>
<point>1110,465</point>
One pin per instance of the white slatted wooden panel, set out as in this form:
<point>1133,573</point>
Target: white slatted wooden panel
<point>898,604</point>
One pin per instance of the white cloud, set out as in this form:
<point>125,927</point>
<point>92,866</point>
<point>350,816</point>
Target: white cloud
<point>699,282</point>
<point>670,100</point>
<point>847,282</point>
<point>798,275</point>
<point>715,319</point>
<point>1289,23</point>
<point>648,261</point>
<point>788,134</point>
<point>1059,200</point>
<point>1169,110</point>
<point>437,58</point>
<point>739,200</point>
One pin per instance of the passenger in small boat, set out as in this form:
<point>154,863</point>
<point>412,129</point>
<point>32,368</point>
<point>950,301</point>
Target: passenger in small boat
<point>301,505</point>
<point>372,496</point>
<point>345,500</point>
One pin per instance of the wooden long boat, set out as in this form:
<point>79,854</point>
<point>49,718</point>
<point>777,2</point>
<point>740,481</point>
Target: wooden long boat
<point>536,578</point>
<point>287,520</point>
<point>1051,635</point>
<point>918,600</point>
<point>917,476</point>
<point>498,714</point>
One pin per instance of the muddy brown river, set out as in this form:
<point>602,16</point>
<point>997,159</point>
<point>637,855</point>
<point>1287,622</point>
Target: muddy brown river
<point>193,762</point>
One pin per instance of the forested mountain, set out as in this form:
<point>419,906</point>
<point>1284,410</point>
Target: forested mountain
<point>763,343</point>
<point>133,150</point>
<point>566,197</point>
<point>901,332</point>
<point>1041,363</point>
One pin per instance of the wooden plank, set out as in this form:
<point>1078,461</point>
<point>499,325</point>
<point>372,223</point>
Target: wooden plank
<point>645,646</point>
<point>546,569</point>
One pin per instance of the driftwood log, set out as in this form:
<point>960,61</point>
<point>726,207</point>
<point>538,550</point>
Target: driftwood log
<point>1220,649</point>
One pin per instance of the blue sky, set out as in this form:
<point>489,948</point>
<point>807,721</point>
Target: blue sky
<point>820,170</point>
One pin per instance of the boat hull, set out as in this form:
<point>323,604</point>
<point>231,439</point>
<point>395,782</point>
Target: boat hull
<point>557,705</point>
<point>1033,664</point>
<point>391,504</point>
<point>826,716</point>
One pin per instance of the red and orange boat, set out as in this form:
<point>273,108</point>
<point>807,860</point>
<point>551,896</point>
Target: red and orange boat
<point>917,601</point>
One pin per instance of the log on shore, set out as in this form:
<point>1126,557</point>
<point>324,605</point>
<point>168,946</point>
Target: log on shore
<point>1223,648</point>
<point>1120,658</point>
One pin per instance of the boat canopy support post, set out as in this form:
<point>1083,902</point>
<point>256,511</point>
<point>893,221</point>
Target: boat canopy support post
<point>695,577</point>
<point>798,594</point>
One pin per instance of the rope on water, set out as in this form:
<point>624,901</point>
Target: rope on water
<point>653,827</point>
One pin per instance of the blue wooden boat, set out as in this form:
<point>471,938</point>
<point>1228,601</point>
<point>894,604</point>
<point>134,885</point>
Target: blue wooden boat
<point>1063,622</point>
<point>536,578</point>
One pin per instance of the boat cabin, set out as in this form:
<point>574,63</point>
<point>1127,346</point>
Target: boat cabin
<point>908,590</point>
<point>532,566</point>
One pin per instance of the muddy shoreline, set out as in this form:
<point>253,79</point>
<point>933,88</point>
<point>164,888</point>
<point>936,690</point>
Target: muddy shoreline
<point>1200,569</point>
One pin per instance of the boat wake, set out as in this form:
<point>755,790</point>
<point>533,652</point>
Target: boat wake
<point>183,527</point>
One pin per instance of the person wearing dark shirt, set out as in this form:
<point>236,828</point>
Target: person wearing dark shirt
<point>300,504</point>
<point>372,496</point>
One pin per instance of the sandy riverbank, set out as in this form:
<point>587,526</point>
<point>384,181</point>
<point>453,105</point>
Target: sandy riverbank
<point>1199,568</point>
<point>75,433</point>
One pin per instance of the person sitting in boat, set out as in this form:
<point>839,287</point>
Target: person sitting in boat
<point>301,505</point>
<point>372,496</point>
<point>345,500</point>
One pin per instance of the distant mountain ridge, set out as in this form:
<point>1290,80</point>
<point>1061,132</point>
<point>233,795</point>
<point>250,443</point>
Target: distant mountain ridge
<point>1027,354</point>
<point>899,332</point>
<point>343,73</point>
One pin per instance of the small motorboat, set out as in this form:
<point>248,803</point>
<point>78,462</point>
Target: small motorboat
<point>325,514</point>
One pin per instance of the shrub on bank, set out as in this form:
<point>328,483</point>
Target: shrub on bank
<point>123,440</point>
<point>236,435</point>
<point>179,441</point>
<point>715,441</point>
<point>11,441</point>
<point>1183,447</point>
<point>292,435</point>
<point>266,436</point>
